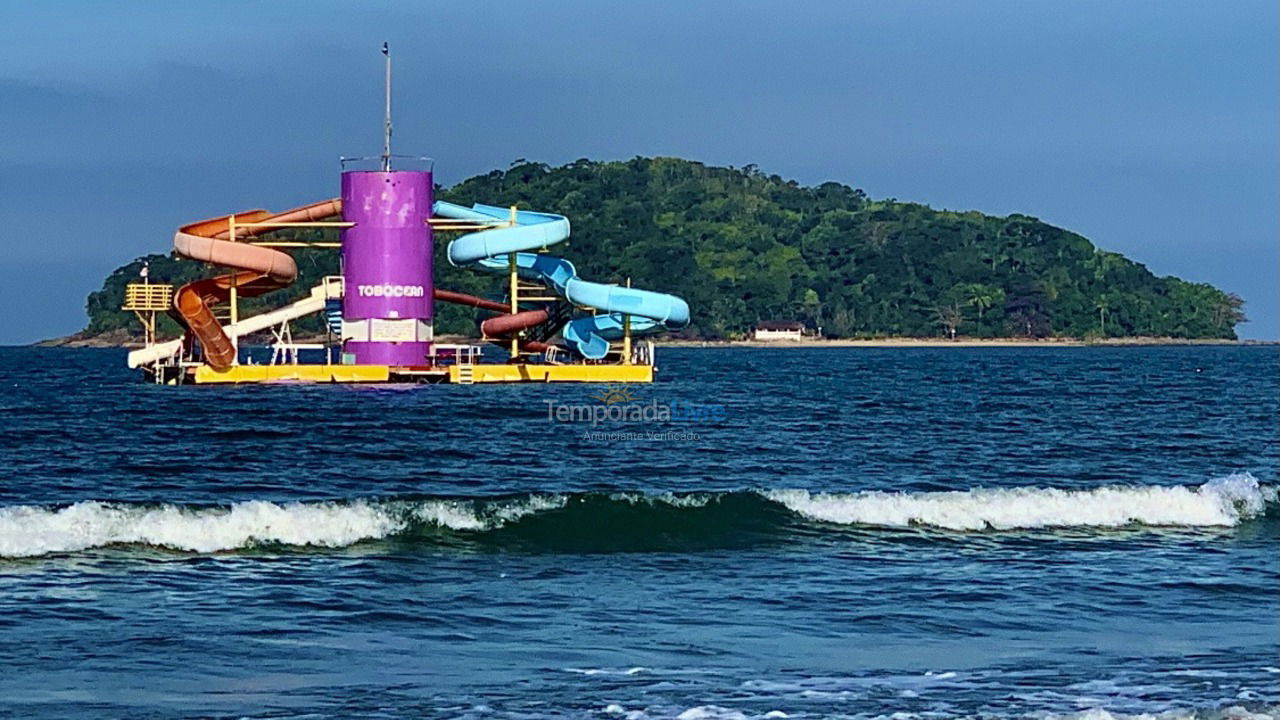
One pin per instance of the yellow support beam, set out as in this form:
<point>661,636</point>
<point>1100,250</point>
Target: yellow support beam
<point>515,294</point>
<point>478,223</point>
<point>290,243</point>
<point>316,223</point>
<point>554,373</point>
<point>451,224</point>
<point>144,300</point>
<point>626,335</point>
<point>626,339</point>
<point>293,243</point>
<point>234,295</point>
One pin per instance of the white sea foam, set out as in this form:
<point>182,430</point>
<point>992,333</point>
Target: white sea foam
<point>710,712</point>
<point>469,515</point>
<point>618,710</point>
<point>689,500</point>
<point>1223,501</point>
<point>27,531</point>
<point>608,671</point>
<point>30,531</point>
<point>452,514</point>
<point>509,511</point>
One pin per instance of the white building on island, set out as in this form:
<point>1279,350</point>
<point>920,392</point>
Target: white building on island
<point>770,330</point>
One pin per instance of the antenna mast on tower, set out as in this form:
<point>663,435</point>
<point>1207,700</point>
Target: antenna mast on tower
<point>386,126</point>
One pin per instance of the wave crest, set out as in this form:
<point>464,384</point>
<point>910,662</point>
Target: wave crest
<point>597,522</point>
<point>30,531</point>
<point>1220,502</point>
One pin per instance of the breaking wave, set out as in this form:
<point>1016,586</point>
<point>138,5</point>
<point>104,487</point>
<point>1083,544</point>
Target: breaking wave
<point>1220,502</point>
<point>596,522</point>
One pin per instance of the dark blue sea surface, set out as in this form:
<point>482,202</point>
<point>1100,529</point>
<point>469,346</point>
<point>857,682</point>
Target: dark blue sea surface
<point>825,532</point>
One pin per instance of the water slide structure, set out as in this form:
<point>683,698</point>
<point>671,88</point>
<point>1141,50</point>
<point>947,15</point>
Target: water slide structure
<point>547,323</point>
<point>550,324</point>
<point>527,232</point>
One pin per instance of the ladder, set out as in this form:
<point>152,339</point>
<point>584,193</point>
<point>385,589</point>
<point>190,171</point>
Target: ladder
<point>466,374</point>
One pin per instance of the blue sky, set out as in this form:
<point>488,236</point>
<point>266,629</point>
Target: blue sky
<point>1149,127</point>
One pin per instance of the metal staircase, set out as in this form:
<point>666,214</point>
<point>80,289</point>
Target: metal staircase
<point>559,312</point>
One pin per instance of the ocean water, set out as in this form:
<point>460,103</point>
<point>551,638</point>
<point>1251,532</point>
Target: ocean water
<point>816,533</point>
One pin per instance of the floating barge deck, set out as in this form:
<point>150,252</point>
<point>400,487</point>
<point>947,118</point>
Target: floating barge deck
<point>457,374</point>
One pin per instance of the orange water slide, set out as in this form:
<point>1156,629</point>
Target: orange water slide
<point>501,325</point>
<point>259,270</point>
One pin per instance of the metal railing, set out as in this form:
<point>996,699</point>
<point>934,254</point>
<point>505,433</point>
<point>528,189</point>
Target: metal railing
<point>147,297</point>
<point>358,163</point>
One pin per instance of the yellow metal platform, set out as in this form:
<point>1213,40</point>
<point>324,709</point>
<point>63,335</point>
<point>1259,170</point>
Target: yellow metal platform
<point>552,373</point>
<point>294,373</point>
<point>461,374</point>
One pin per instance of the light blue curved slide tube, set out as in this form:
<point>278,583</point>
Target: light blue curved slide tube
<point>490,250</point>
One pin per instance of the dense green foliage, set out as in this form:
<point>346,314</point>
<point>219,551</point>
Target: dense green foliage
<point>742,246</point>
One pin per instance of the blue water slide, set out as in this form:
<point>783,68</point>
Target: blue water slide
<point>491,250</point>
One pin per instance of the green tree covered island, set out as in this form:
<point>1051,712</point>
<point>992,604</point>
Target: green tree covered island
<point>742,246</point>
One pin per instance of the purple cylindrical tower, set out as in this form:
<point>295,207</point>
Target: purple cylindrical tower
<point>386,267</point>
